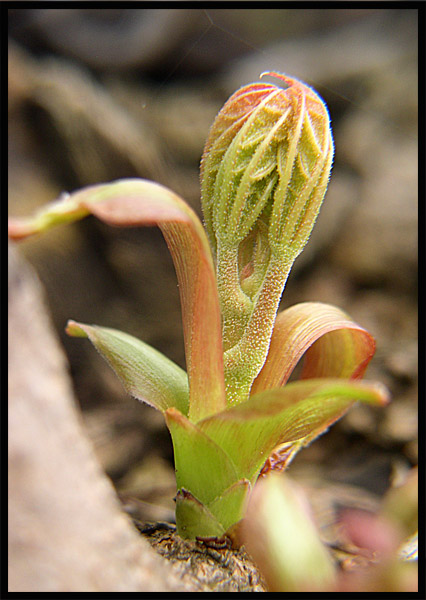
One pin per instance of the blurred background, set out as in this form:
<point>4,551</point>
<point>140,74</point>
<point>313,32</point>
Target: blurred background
<point>101,94</point>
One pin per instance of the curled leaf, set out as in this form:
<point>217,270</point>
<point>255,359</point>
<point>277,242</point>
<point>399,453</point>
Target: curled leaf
<point>145,373</point>
<point>333,345</point>
<point>135,202</point>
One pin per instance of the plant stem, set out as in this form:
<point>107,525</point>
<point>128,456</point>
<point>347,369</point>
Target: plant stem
<point>243,361</point>
<point>236,306</point>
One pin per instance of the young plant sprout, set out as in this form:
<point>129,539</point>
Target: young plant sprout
<point>232,415</point>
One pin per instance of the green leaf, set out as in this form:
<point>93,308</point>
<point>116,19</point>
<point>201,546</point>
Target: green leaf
<point>135,202</point>
<point>145,373</point>
<point>230,506</point>
<point>210,498</point>
<point>333,345</point>
<point>193,519</point>
<point>298,412</point>
<point>202,467</point>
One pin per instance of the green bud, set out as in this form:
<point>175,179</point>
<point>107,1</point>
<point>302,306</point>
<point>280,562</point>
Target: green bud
<point>264,173</point>
<point>268,157</point>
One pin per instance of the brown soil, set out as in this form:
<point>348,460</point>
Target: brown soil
<point>206,566</point>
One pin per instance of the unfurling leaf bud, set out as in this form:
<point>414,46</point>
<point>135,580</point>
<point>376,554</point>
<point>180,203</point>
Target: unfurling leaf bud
<point>264,173</point>
<point>268,157</point>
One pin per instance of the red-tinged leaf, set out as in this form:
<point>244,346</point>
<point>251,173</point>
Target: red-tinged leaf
<point>333,345</point>
<point>202,467</point>
<point>145,373</point>
<point>64,210</point>
<point>134,202</point>
<point>297,412</point>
